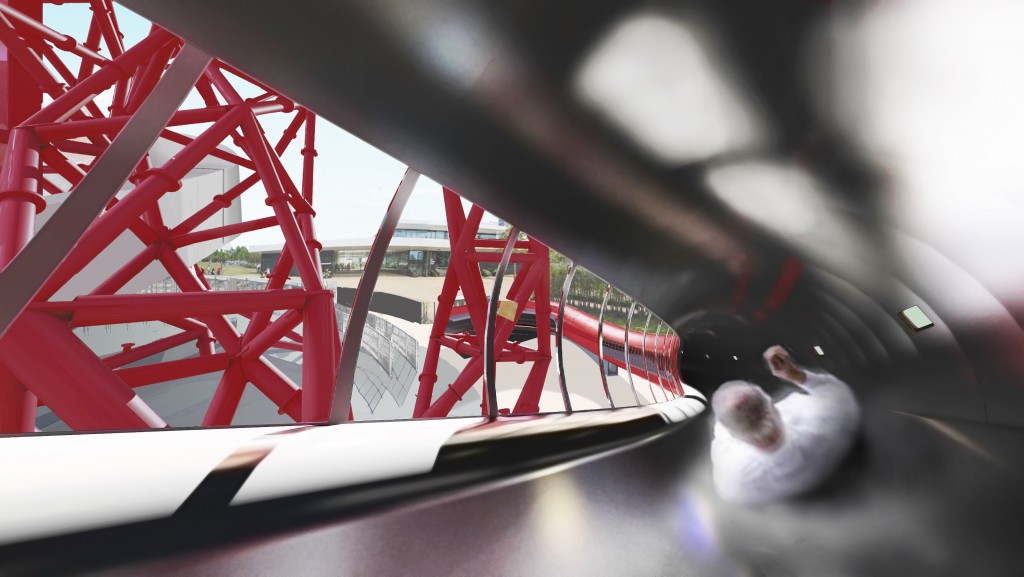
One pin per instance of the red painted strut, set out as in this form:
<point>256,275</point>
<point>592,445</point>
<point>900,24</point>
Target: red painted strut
<point>41,361</point>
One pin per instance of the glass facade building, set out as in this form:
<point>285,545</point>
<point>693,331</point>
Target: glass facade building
<point>404,256</point>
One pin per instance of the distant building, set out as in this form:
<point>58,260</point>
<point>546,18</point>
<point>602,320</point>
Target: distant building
<point>419,248</point>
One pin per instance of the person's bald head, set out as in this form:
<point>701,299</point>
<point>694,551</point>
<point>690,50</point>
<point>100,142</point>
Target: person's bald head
<point>748,413</point>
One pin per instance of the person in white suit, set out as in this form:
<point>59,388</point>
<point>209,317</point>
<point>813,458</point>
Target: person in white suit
<point>763,451</point>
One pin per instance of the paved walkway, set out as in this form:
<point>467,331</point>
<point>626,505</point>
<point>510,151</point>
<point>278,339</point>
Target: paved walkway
<point>422,289</point>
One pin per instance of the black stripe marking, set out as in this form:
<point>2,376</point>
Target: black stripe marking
<point>219,487</point>
<point>533,451</point>
<point>459,466</point>
<point>696,398</point>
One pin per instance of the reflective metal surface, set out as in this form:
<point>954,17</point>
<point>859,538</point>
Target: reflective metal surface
<point>651,511</point>
<point>647,368</point>
<point>600,346</point>
<point>754,173</point>
<point>817,175</point>
<point>492,319</point>
<point>559,343</point>
<point>628,353</point>
<point>361,302</point>
<point>657,362</point>
<point>24,275</point>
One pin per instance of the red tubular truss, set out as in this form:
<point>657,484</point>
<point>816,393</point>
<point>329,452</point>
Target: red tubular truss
<point>532,280</point>
<point>647,355</point>
<point>41,360</point>
<point>48,151</point>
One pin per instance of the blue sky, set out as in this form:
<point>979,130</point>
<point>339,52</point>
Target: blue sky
<point>353,181</point>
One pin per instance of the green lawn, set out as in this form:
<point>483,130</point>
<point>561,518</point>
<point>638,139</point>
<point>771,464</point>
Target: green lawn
<point>229,270</point>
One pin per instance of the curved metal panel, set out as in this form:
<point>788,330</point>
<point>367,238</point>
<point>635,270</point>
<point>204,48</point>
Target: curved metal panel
<point>600,347</point>
<point>559,323</point>
<point>490,365</point>
<point>361,303</point>
<point>629,367</point>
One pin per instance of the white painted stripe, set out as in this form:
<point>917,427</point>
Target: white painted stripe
<point>674,412</point>
<point>678,410</point>
<point>689,409</point>
<point>55,484</point>
<point>348,454</point>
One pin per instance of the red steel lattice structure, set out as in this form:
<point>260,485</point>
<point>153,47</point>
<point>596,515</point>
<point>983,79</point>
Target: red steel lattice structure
<point>532,280</point>
<point>41,360</point>
<point>43,363</point>
<point>530,291</point>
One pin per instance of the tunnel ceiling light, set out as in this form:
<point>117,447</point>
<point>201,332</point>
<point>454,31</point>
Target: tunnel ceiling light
<point>659,79</point>
<point>915,318</point>
<point>818,350</point>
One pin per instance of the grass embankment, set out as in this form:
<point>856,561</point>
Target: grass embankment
<point>229,270</point>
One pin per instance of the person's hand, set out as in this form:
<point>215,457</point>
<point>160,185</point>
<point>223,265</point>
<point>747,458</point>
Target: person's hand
<point>782,366</point>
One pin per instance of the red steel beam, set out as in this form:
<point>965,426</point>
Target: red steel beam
<point>271,335</point>
<point>222,231</point>
<point>119,68</point>
<point>222,201</point>
<point>114,309</point>
<point>244,76</point>
<point>455,391</point>
<point>73,173</point>
<point>225,399</point>
<point>464,272</point>
<point>138,353</point>
<point>58,130</point>
<point>219,203</point>
<point>127,272</point>
<point>107,228</point>
<point>146,77</point>
<point>173,370</point>
<point>112,125</point>
<point>219,326</point>
<point>74,124</point>
<point>260,320</point>
<point>318,362</point>
<point>92,42</point>
<point>80,389</point>
<point>529,397</point>
<point>428,374</point>
<point>277,198</point>
<point>36,73</point>
<point>288,345</point>
<point>294,336</point>
<point>103,13</point>
<point>20,193</point>
<point>21,98</point>
<point>78,147</point>
<point>275,385</point>
<point>62,41</point>
<point>216,152</point>
<point>133,74</point>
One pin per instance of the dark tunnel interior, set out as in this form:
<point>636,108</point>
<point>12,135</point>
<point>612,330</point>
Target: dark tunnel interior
<point>797,172</point>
